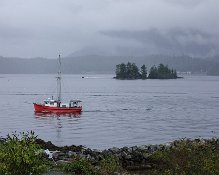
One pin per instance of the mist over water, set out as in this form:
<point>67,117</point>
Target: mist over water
<point>115,112</point>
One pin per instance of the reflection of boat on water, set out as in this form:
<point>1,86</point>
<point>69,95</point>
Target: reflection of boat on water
<point>57,106</point>
<point>57,114</point>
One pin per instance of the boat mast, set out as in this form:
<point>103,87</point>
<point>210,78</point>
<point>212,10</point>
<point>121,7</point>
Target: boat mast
<point>59,85</point>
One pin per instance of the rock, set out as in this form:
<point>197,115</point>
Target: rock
<point>88,156</point>
<point>96,150</point>
<point>143,147</point>
<point>71,153</point>
<point>134,148</point>
<point>82,155</point>
<point>60,156</point>
<point>54,173</point>
<point>114,150</point>
<point>46,145</point>
<point>126,156</point>
<point>62,162</point>
<point>130,150</point>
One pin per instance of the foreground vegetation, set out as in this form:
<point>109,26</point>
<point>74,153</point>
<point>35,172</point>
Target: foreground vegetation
<point>195,157</point>
<point>24,154</point>
<point>130,71</point>
<point>19,155</point>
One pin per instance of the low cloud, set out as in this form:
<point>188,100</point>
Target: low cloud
<point>173,41</point>
<point>46,28</point>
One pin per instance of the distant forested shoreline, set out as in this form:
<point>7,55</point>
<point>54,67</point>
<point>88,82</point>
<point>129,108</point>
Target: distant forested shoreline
<point>100,64</point>
<point>130,71</point>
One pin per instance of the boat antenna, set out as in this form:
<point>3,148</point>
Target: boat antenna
<point>59,86</point>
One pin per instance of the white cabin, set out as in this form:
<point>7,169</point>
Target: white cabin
<point>54,103</point>
<point>50,102</point>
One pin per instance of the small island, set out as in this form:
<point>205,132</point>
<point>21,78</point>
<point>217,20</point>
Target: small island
<point>130,71</point>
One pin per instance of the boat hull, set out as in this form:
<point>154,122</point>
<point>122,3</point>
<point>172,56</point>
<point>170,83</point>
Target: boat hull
<point>49,109</point>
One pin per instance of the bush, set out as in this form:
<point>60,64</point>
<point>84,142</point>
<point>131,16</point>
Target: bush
<point>80,166</point>
<point>194,157</point>
<point>19,155</point>
<point>109,164</point>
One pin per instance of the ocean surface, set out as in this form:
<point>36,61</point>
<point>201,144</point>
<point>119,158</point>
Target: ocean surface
<point>116,113</point>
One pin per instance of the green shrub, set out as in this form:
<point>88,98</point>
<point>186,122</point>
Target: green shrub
<point>80,166</point>
<point>19,155</point>
<point>109,164</point>
<point>188,157</point>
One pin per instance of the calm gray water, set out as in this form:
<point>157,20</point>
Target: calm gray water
<point>115,113</point>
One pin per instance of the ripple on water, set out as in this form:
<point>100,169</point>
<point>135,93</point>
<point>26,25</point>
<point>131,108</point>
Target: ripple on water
<point>115,113</point>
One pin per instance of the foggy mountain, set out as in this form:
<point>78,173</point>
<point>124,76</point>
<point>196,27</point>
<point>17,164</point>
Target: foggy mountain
<point>109,27</point>
<point>177,41</point>
<point>106,64</point>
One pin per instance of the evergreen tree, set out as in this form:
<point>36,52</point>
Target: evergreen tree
<point>175,74</point>
<point>129,70</point>
<point>153,74</point>
<point>134,71</point>
<point>143,72</point>
<point>118,74</point>
<point>123,71</point>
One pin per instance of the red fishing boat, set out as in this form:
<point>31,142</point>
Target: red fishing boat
<point>51,105</point>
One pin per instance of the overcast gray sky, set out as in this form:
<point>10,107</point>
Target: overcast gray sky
<point>44,28</point>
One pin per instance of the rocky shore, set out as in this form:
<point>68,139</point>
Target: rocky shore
<point>185,156</point>
<point>131,158</point>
